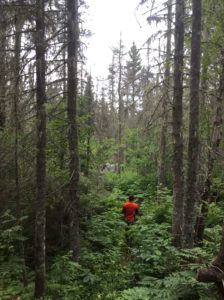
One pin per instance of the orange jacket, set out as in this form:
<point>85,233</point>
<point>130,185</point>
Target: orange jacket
<point>130,209</point>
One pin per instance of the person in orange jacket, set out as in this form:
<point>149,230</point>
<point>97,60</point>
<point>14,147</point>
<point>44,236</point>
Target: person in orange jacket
<point>130,210</point>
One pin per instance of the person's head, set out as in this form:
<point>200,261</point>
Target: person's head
<point>131,198</point>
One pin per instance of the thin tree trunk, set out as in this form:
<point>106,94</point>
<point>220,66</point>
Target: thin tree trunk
<point>133,102</point>
<point>73,44</point>
<point>2,65</point>
<point>62,152</point>
<point>2,96</point>
<point>165,100</point>
<point>62,148</point>
<point>212,153</point>
<point>191,184</point>
<point>120,109</point>
<point>41,144</point>
<point>89,96</point>
<point>17,128</point>
<point>112,98</point>
<point>178,180</point>
<point>202,206</point>
<point>204,73</point>
<point>112,83</point>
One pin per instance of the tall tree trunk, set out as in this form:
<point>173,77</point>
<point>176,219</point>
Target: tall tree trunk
<point>64,73</point>
<point>204,72</point>
<point>112,86</point>
<point>89,96</point>
<point>73,44</point>
<point>203,199</point>
<point>41,144</point>
<point>212,153</point>
<point>62,148</point>
<point>178,180</point>
<point>112,98</point>
<point>17,128</point>
<point>191,184</point>
<point>133,101</point>
<point>120,108</point>
<point>2,64</point>
<point>165,100</point>
<point>2,96</point>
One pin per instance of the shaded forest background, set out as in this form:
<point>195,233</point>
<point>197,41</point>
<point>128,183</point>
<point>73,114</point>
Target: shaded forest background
<point>156,121</point>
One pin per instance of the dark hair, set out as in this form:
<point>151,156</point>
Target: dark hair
<point>131,198</point>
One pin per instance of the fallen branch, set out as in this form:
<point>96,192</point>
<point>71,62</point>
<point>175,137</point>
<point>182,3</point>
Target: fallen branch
<point>215,275</point>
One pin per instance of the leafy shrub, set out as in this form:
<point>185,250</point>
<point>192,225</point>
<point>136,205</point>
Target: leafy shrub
<point>137,293</point>
<point>215,215</point>
<point>110,180</point>
<point>129,182</point>
<point>63,280</point>
<point>11,265</point>
<point>162,211</point>
<point>154,253</point>
<point>178,285</point>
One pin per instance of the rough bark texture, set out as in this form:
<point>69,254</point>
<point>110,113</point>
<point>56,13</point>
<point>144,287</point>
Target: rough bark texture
<point>2,66</point>
<point>193,142</point>
<point>73,42</point>
<point>89,96</point>
<point>212,153</point>
<point>41,143</point>
<point>120,109</point>
<point>17,128</point>
<point>112,98</point>
<point>165,100</point>
<point>18,26</point>
<point>178,180</point>
<point>112,84</point>
<point>202,208</point>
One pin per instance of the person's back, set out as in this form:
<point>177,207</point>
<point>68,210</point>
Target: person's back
<point>130,209</point>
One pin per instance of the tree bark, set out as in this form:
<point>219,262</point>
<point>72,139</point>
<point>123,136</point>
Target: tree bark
<point>165,100</point>
<point>178,180</point>
<point>193,142</point>
<point>41,144</point>
<point>212,154</point>
<point>120,108</point>
<point>2,64</point>
<point>17,128</point>
<point>112,98</point>
<point>89,96</point>
<point>73,44</point>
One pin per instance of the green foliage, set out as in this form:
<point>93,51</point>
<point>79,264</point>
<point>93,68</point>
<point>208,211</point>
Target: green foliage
<point>11,277</point>
<point>212,241</point>
<point>102,151</point>
<point>178,285</point>
<point>11,265</point>
<point>138,293</point>
<point>154,249</point>
<point>162,210</point>
<point>117,261</point>
<point>108,269</point>
<point>110,180</point>
<point>129,182</point>
<point>215,215</point>
<point>10,233</point>
<point>63,279</point>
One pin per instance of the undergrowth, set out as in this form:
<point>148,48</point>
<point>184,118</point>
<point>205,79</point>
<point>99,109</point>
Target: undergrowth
<point>117,262</point>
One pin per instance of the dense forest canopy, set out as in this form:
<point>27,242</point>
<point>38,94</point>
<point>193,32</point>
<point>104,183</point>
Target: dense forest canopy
<point>75,148</point>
